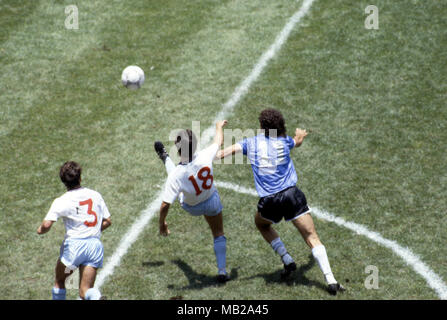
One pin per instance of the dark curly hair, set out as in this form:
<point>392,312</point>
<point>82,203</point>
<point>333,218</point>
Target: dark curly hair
<point>70,174</point>
<point>272,119</point>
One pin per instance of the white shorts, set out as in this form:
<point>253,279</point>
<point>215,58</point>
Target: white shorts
<point>86,252</point>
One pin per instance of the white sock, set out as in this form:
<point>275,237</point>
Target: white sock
<point>169,165</point>
<point>92,294</point>
<point>319,253</point>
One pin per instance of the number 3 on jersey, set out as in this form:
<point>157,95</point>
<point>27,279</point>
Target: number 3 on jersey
<point>201,175</point>
<point>89,204</point>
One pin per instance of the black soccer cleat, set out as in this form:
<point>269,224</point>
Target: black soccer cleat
<point>223,278</point>
<point>161,151</point>
<point>334,288</point>
<point>288,269</point>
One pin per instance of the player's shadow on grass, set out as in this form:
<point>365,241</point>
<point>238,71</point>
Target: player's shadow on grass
<point>296,278</point>
<point>153,263</point>
<point>197,280</point>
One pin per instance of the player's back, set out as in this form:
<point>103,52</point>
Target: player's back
<point>82,211</point>
<point>195,179</point>
<point>272,166</point>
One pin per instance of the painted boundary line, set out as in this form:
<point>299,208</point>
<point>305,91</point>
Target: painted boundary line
<point>145,216</point>
<point>242,89</point>
<point>433,280</point>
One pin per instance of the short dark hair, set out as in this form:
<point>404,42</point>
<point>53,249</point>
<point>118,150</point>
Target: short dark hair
<point>186,141</point>
<point>272,119</point>
<point>70,174</point>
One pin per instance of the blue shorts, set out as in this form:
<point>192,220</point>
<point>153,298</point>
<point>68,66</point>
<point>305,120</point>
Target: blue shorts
<point>86,252</point>
<point>210,207</point>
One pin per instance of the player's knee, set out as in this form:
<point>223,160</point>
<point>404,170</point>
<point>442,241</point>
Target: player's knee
<point>261,225</point>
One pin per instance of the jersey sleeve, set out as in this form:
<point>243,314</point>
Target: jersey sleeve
<point>55,211</point>
<point>105,210</point>
<point>210,152</point>
<point>290,142</point>
<point>172,190</point>
<point>243,143</point>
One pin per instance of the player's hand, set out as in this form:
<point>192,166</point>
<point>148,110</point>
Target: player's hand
<point>221,124</point>
<point>300,133</point>
<point>164,231</point>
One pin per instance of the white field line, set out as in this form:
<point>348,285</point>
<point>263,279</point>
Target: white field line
<point>433,280</point>
<point>138,226</point>
<point>242,89</point>
<point>128,239</point>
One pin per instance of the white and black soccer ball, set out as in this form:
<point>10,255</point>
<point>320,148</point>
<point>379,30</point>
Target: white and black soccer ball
<point>132,77</point>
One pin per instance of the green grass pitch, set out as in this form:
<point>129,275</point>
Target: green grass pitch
<point>373,101</point>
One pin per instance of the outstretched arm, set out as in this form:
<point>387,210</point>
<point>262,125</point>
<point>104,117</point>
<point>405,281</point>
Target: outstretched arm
<point>299,137</point>
<point>235,148</point>
<point>163,226</point>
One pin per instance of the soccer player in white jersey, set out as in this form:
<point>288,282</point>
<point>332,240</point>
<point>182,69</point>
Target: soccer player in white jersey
<point>275,180</point>
<point>192,182</point>
<point>85,216</point>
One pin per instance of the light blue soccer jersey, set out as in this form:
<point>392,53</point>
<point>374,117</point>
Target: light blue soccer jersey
<point>272,167</point>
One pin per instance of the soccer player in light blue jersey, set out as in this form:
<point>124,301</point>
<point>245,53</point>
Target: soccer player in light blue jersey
<point>275,180</point>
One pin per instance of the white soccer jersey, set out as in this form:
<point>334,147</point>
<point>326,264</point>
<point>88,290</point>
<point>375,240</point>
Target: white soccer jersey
<point>82,211</point>
<point>194,179</point>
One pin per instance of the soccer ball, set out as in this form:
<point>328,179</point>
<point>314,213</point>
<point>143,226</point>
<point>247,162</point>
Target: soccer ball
<point>132,77</point>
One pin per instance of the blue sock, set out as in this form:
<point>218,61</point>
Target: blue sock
<point>220,249</point>
<point>92,294</point>
<point>279,247</point>
<point>58,294</point>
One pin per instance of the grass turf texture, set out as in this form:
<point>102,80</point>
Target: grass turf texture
<point>372,99</point>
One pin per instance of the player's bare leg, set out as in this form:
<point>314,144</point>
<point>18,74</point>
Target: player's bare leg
<point>216,224</point>
<point>62,273</point>
<point>87,276</point>
<point>272,237</point>
<point>265,228</point>
<point>220,245</point>
<point>306,227</point>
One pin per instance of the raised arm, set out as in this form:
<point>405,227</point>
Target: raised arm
<point>218,138</point>
<point>299,136</point>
